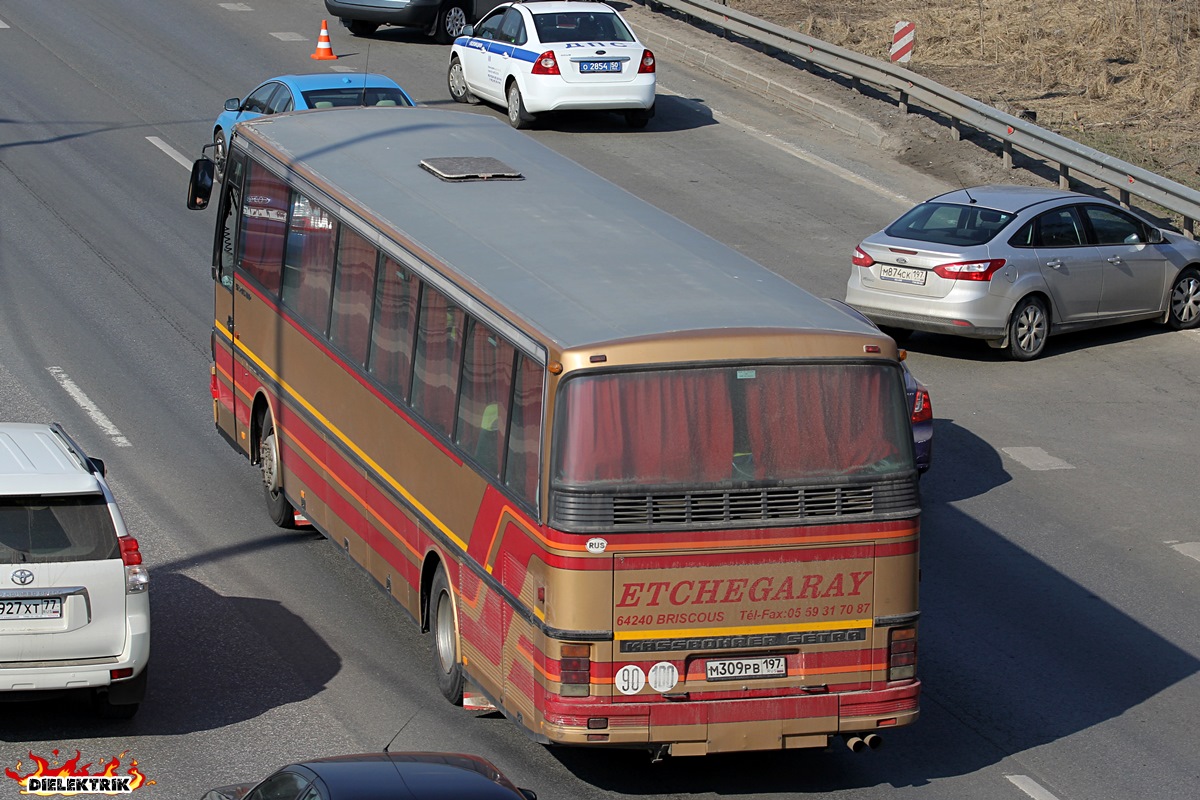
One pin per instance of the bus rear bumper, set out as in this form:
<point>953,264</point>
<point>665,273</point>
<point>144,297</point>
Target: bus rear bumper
<point>702,727</point>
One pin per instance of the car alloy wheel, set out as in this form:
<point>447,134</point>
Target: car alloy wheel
<point>1028,329</point>
<point>1185,300</point>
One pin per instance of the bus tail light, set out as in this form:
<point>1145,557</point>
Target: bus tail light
<point>902,654</point>
<point>546,64</point>
<point>647,65</point>
<point>575,670</point>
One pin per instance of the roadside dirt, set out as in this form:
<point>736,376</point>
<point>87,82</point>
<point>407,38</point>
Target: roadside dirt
<point>1122,76</point>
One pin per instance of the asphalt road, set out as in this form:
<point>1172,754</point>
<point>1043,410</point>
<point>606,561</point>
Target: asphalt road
<point>1061,629</point>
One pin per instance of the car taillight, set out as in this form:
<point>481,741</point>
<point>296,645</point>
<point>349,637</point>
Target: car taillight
<point>575,670</point>
<point>861,259</point>
<point>922,409</point>
<point>970,270</point>
<point>647,64</point>
<point>902,653</point>
<point>546,64</point>
<point>137,577</point>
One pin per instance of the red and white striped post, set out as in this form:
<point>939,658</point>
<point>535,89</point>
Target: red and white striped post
<point>902,42</point>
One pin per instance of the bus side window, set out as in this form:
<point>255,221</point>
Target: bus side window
<point>394,327</point>
<point>229,213</point>
<point>525,432</point>
<point>353,292</point>
<point>483,403</point>
<point>438,354</point>
<point>308,262</point>
<point>263,227</point>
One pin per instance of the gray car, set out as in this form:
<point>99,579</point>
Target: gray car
<point>1013,264</point>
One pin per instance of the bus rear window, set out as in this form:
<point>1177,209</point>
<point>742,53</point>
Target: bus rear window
<point>731,425</point>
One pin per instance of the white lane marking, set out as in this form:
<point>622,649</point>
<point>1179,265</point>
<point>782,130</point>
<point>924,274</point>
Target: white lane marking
<point>3,24</point>
<point>85,402</point>
<point>1030,787</point>
<point>345,69</point>
<point>288,36</point>
<point>235,6</point>
<point>1189,549</point>
<point>798,152</point>
<point>1036,458</point>
<point>171,151</point>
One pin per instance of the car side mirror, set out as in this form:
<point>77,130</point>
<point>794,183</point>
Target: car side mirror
<point>1156,236</point>
<point>98,466</point>
<point>233,104</point>
<point>468,30</point>
<point>200,184</point>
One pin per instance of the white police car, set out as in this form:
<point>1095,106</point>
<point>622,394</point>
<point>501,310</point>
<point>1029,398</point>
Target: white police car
<point>74,610</point>
<point>549,55</point>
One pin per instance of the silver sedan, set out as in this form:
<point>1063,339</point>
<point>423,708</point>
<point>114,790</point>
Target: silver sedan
<point>1013,264</point>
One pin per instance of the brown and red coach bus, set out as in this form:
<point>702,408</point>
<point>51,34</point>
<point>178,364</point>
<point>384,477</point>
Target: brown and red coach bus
<point>641,490</point>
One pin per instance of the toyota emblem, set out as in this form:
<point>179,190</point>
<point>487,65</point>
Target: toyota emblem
<point>22,577</point>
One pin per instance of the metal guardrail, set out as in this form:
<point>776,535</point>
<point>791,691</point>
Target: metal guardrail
<point>1011,131</point>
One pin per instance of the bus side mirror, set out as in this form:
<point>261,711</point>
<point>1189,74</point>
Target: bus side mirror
<point>200,185</point>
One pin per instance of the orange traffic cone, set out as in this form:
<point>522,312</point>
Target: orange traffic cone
<point>324,47</point>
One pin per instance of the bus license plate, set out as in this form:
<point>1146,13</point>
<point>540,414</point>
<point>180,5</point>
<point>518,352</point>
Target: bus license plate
<point>31,608</point>
<point>599,66</point>
<point>734,668</point>
<point>911,275</point>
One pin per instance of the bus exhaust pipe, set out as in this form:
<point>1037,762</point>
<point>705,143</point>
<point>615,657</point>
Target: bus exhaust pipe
<point>857,744</point>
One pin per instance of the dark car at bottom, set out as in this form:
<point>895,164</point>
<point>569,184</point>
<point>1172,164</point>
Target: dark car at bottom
<point>381,776</point>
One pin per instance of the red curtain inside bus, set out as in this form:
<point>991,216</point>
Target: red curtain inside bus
<point>650,427</point>
<point>352,295</point>
<point>308,262</point>
<point>439,348</point>
<point>483,403</point>
<point>395,320</point>
<point>524,438</point>
<point>264,227</point>
<point>701,426</point>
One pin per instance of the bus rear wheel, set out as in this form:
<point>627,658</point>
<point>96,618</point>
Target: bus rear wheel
<point>278,508</point>
<point>445,642</point>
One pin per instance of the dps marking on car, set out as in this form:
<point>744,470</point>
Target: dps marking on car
<point>1036,459</point>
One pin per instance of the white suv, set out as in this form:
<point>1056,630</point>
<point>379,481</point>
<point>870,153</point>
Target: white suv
<point>74,606</point>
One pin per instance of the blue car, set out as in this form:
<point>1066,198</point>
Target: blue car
<point>299,92</point>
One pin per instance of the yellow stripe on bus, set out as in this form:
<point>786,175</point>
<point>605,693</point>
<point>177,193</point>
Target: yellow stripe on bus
<point>746,631</point>
<point>342,438</point>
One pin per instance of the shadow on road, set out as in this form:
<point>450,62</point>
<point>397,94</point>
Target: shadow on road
<point>215,661</point>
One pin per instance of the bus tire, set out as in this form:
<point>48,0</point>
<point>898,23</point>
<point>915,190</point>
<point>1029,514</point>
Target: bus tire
<point>445,642</point>
<point>281,511</point>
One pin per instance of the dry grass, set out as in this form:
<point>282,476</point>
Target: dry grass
<point>1122,76</point>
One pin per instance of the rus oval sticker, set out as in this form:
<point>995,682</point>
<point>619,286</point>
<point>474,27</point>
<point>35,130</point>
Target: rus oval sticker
<point>597,545</point>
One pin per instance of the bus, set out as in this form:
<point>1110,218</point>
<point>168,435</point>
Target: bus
<point>639,489</point>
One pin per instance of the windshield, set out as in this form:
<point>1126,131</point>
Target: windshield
<point>948,223</point>
<point>39,529</point>
<point>732,425</point>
